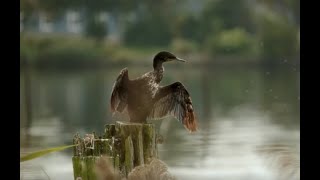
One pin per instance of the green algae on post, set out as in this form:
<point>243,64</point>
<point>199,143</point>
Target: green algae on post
<point>127,145</point>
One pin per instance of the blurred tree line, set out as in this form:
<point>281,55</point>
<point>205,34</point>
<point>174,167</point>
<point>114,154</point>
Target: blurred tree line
<point>262,29</point>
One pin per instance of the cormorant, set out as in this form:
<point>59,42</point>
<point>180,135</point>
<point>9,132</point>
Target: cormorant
<point>144,98</point>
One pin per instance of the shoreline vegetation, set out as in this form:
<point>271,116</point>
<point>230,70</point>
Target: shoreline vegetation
<point>76,52</point>
<point>228,32</point>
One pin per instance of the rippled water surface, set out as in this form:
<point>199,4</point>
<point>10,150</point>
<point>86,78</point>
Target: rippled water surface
<point>248,117</point>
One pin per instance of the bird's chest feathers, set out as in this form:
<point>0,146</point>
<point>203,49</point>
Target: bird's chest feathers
<point>149,85</point>
<point>153,86</point>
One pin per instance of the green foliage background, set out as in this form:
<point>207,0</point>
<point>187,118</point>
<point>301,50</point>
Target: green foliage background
<point>267,31</point>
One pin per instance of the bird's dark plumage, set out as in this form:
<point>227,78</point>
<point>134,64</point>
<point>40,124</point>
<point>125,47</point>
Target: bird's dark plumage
<point>145,99</point>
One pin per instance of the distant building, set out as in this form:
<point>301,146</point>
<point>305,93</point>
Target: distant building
<point>74,21</point>
<point>71,22</point>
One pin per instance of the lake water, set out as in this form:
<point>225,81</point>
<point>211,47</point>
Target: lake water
<point>249,120</point>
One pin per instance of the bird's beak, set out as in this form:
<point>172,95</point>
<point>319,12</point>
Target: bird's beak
<point>179,59</point>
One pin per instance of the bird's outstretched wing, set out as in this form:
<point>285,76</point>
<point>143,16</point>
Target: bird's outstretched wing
<point>175,100</point>
<point>119,94</point>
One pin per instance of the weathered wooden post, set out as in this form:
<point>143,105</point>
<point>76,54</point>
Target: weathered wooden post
<point>126,144</point>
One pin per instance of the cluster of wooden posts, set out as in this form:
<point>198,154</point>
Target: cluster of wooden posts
<point>126,144</point>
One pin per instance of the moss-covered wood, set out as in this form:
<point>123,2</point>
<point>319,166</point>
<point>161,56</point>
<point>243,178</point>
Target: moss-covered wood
<point>149,145</point>
<point>127,144</point>
<point>128,155</point>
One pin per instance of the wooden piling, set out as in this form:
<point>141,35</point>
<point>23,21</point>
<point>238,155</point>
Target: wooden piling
<point>126,144</point>
<point>149,145</point>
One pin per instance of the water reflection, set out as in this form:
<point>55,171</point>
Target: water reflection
<point>231,149</point>
<point>240,111</point>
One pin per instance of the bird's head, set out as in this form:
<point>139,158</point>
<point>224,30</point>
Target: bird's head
<point>165,56</point>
